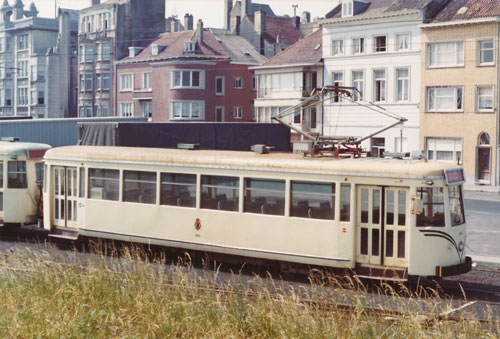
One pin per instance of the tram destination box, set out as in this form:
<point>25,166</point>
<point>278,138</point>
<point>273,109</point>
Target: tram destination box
<point>218,136</point>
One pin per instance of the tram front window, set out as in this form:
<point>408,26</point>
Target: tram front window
<point>456,205</point>
<point>433,203</point>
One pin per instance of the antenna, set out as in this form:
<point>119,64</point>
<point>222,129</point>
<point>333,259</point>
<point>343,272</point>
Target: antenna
<point>295,10</point>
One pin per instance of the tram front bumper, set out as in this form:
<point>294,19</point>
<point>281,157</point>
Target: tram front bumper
<point>446,271</point>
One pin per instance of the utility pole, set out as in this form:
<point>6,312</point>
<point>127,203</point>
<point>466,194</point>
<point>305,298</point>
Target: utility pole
<point>295,10</point>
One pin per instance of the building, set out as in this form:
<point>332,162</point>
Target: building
<point>105,33</point>
<point>460,81</point>
<point>257,23</point>
<point>375,46</point>
<point>37,62</point>
<point>197,75</point>
<point>287,79</point>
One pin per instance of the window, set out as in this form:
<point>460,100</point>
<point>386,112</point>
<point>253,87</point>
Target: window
<point>146,80</point>
<point>265,196</point>
<point>346,8</point>
<point>456,201</point>
<point>104,184</point>
<point>189,46</point>
<point>238,83</point>
<point>82,181</point>
<point>22,41</point>
<point>105,81</point>
<point>16,175</point>
<point>238,112</point>
<point>187,110</point>
<point>444,99</point>
<point>444,149</point>
<point>380,43</point>
<point>345,202</point>
<point>379,85</point>
<point>338,81</point>
<point>484,98</point>
<point>178,190</point>
<point>486,52</point>
<point>147,108</point>
<point>89,53</point>
<point>445,54</point>
<point>403,42</point>
<point>254,83</point>
<point>187,79</point>
<point>338,47</point>
<point>126,109</point>
<point>219,86</point>
<point>40,98</point>
<point>358,45</point>
<point>89,80</point>
<point>22,96</point>
<point>139,187</point>
<point>104,51</point>
<point>433,203</point>
<point>126,82</point>
<point>358,82</point>
<point>22,68</point>
<point>313,200</point>
<point>82,53</point>
<point>220,193</point>
<point>402,84</point>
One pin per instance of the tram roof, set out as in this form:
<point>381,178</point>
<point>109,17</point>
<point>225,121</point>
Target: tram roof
<point>251,160</point>
<point>18,148</point>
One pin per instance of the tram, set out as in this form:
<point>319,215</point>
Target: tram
<point>21,174</point>
<point>381,218</point>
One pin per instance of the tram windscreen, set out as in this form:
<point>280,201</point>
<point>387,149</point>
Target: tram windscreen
<point>457,216</point>
<point>433,203</point>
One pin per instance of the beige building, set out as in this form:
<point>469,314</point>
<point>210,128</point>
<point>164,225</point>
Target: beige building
<point>459,98</point>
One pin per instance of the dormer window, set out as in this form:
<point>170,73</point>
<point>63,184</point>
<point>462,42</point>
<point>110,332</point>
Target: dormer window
<point>347,8</point>
<point>156,49</point>
<point>189,46</point>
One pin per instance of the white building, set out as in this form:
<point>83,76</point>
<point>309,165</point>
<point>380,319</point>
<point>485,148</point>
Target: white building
<point>375,47</point>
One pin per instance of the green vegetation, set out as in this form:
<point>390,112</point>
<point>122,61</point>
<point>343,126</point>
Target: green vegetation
<point>130,298</point>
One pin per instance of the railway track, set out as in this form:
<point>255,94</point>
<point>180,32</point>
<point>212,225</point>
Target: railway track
<point>444,300</point>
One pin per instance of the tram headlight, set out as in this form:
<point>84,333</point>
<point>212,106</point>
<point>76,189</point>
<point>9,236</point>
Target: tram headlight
<point>461,246</point>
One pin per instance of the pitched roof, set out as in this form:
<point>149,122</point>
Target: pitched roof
<point>254,8</point>
<point>468,9</point>
<point>281,26</point>
<point>307,50</point>
<point>214,46</point>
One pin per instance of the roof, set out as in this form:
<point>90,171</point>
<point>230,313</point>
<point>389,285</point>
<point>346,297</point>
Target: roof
<point>16,148</point>
<point>281,26</point>
<point>468,9</point>
<point>375,8</point>
<point>242,160</point>
<point>254,8</point>
<point>216,45</point>
<point>307,50</point>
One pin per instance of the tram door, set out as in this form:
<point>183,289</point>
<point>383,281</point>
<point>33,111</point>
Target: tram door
<point>382,225</point>
<point>65,186</point>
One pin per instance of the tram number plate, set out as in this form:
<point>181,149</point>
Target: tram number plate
<point>454,176</point>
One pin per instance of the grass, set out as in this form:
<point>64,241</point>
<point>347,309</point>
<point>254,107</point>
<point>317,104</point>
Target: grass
<point>131,299</point>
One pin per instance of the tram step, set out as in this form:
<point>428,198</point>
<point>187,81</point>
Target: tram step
<point>64,234</point>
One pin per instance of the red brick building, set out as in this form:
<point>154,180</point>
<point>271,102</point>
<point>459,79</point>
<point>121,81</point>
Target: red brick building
<point>198,75</point>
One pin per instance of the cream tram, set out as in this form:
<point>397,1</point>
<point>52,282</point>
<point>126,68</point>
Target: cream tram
<point>21,174</point>
<point>380,218</point>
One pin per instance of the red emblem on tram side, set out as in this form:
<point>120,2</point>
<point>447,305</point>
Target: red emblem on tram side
<point>197,224</point>
<point>344,230</point>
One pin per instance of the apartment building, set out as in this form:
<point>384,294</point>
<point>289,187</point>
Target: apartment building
<point>460,78</point>
<point>37,62</point>
<point>196,75</point>
<point>105,32</point>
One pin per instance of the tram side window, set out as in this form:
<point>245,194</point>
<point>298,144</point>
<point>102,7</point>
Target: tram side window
<point>345,202</point>
<point>456,205</point>
<point>104,184</point>
<point>433,203</point>
<point>178,189</point>
<point>82,182</point>
<point>313,200</point>
<point>220,193</point>
<point>17,174</point>
<point>139,186</point>
<point>265,196</point>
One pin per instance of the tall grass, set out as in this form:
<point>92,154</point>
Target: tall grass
<point>135,298</point>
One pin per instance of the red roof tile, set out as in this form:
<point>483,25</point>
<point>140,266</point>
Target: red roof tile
<point>307,50</point>
<point>281,26</point>
<point>468,9</point>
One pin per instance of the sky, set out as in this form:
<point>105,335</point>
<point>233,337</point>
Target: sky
<point>210,11</point>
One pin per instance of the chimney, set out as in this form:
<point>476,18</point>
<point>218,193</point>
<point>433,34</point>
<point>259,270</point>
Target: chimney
<point>18,10</point>
<point>296,22</point>
<point>96,2</point>
<point>246,5</point>
<point>199,32</point>
<point>228,7</point>
<point>188,22</point>
<point>306,17</point>
<point>260,21</point>
<point>174,26</point>
<point>238,23</point>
